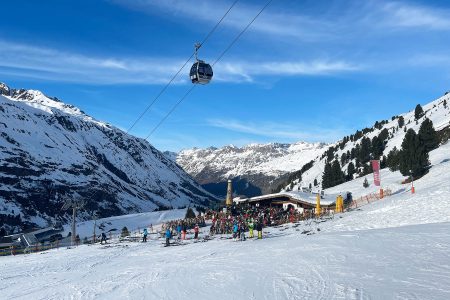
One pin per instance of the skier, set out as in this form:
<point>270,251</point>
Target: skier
<point>151,228</point>
<point>103,238</point>
<point>242,232</point>
<point>183,232</point>
<point>168,236</point>
<point>196,231</point>
<point>251,225</point>
<point>144,237</point>
<point>259,229</point>
<point>235,230</point>
<point>179,231</point>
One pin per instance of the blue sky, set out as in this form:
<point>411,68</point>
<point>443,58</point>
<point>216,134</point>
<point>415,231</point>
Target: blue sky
<point>306,70</point>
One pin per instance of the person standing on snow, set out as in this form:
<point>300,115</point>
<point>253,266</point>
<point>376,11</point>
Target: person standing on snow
<point>144,235</point>
<point>251,226</point>
<point>168,236</point>
<point>103,238</point>
<point>183,232</point>
<point>196,229</point>
<point>179,231</point>
<point>242,232</point>
<point>259,229</point>
<point>235,230</point>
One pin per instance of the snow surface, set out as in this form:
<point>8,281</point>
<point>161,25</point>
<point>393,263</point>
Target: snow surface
<point>133,222</point>
<point>395,248</point>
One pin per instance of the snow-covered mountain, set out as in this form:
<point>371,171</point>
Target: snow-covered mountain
<point>438,111</point>
<point>51,151</point>
<point>255,169</point>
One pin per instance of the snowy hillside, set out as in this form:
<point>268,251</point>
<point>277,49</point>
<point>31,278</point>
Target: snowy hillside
<point>395,248</point>
<point>437,111</point>
<point>259,165</point>
<point>51,151</point>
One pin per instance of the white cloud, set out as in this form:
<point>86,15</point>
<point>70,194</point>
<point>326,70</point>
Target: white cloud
<point>286,131</point>
<point>51,64</point>
<point>269,22</point>
<point>408,15</point>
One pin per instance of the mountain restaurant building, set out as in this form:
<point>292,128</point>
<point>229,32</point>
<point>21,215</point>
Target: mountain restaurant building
<point>297,200</point>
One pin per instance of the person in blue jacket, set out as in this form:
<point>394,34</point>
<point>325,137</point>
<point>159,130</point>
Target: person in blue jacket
<point>235,230</point>
<point>144,235</point>
<point>168,236</point>
<point>179,231</point>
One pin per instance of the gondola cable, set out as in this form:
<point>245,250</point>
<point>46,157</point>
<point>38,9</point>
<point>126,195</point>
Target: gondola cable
<point>182,67</point>
<point>215,62</point>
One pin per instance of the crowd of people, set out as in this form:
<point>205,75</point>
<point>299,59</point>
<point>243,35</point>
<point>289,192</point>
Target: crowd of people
<point>247,218</point>
<point>180,227</point>
<point>235,221</point>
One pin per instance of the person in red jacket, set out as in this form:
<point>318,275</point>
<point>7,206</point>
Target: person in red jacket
<point>196,231</point>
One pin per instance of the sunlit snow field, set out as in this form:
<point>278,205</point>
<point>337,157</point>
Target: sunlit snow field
<point>396,248</point>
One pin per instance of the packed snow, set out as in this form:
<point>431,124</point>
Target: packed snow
<point>395,248</point>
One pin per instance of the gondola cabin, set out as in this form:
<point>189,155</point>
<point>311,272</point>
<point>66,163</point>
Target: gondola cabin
<point>201,72</point>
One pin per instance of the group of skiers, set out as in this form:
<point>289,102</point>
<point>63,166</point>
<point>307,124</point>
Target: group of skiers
<point>181,231</point>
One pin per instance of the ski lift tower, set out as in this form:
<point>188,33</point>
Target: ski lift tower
<point>229,199</point>
<point>75,204</point>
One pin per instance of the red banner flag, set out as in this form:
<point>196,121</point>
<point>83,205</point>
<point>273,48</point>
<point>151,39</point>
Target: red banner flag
<point>376,172</point>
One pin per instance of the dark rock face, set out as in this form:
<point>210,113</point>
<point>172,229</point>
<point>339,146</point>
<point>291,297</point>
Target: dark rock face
<point>51,151</point>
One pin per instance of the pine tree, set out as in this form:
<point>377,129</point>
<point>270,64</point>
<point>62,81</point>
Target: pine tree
<point>401,121</point>
<point>327,176</point>
<point>365,183</point>
<point>445,103</point>
<point>377,147</point>
<point>384,135</point>
<point>350,171</point>
<point>418,112</point>
<point>338,176</point>
<point>393,159</point>
<point>124,232</point>
<point>364,152</point>
<point>413,157</point>
<point>428,136</point>
<point>190,214</point>
<point>315,181</point>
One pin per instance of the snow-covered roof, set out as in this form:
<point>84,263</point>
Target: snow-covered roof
<point>308,198</point>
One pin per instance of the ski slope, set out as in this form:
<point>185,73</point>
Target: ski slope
<point>132,222</point>
<point>395,248</point>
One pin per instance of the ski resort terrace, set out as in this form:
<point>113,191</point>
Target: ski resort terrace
<point>297,199</point>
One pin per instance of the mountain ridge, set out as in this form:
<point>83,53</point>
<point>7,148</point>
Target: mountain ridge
<point>51,151</point>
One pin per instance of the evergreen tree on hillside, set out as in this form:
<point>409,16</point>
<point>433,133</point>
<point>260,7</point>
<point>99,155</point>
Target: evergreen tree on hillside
<point>190,214</point>
<point>364,152</point>
<point>377,147</point>
<point>418,112</point>
<point>124,232</point>
<point>428,136</point>
<point>413,156</point>
<point>315,182</point>
<point>327,176</point>
<point>365,183</point>
<point>350,171</point>
<point>384,135</point>
<point>393,160</point>
<point>338,176</point>
<point>401,121</point>
<point>445,103</point>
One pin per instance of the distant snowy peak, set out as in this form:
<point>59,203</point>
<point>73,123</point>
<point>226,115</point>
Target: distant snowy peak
<point>50,150</point>
<point>255,167</point>
<point>39,100</point>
